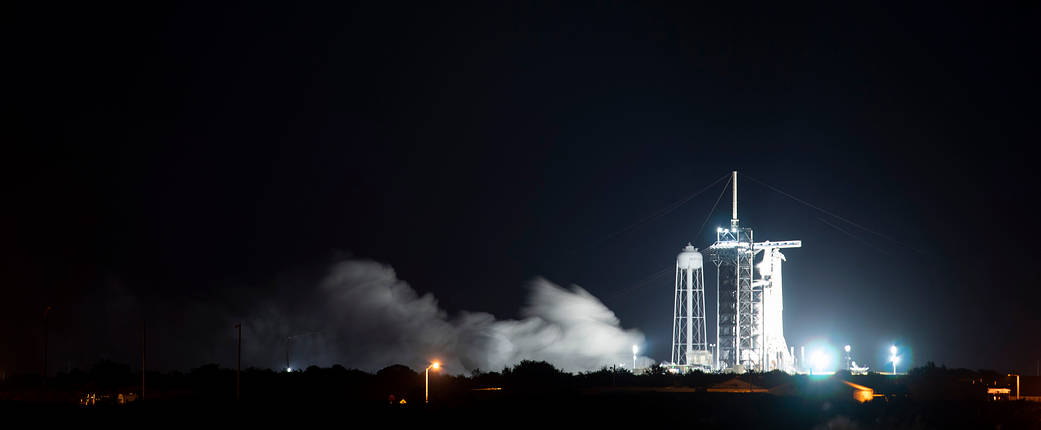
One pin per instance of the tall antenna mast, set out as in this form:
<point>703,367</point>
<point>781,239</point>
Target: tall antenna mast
<point>733,219</point>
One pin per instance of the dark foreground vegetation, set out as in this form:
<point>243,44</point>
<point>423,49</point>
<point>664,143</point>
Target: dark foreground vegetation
<point>530,393</point>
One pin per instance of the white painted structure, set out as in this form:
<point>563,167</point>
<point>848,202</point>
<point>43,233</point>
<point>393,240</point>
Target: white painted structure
<point>689,335</point>
<point>777,354</point>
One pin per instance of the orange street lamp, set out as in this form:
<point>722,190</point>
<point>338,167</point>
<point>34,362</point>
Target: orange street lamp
<point>426,386</point>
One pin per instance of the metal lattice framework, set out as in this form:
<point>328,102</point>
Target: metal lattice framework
<point>689,328</point>
<point>749,321</point>
<point>740,318</point>
<point>749,302</point>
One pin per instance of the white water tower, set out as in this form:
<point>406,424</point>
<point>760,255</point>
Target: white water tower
<point>689,341</point>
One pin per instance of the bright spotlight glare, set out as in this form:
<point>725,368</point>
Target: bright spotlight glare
<point>892,349</point>
<point>820,360</point>
<point>436,365</point>
<point>289,369</point>
<point>635,349</point>
<point>847,348</point>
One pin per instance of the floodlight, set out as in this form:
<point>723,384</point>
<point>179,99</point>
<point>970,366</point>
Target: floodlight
<point>819,360</point>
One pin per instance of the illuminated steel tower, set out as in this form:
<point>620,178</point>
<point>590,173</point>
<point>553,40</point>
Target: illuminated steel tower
<point>689,334</point>
<point>737,322</point>
<point>749,323</point>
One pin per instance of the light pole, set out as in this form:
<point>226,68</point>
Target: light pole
<point>1017,383</point>
<point>712,347</point>
<point>819,361</point>
<point>635,349</point>
<point>893,357</point>
<point>426,384</point>
<point>289,340</point>
<point>848,357</point>
<point>717,261</point>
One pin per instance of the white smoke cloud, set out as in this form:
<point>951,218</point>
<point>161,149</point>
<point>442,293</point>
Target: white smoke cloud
<point>372,319</point>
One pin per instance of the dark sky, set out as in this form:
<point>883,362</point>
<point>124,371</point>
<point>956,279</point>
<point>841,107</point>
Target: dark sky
<point>163,160</point>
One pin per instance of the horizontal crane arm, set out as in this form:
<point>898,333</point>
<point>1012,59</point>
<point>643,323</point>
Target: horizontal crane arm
<point>779,244</point>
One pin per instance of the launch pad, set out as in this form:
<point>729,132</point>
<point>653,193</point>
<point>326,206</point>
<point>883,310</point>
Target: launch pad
<point>749,304</point>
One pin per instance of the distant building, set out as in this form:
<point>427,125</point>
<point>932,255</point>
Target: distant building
<point>999,393</point>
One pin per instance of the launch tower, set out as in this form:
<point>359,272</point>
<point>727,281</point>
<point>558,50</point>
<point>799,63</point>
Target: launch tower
<point>749,321</point>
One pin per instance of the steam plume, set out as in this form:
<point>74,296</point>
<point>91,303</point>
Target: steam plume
<point>372,319</point>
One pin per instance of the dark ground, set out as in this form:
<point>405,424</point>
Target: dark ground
<point>531,394</point>
<point>700,410</point>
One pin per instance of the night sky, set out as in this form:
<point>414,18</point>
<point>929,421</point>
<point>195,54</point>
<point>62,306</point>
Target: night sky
<point>170,162</point>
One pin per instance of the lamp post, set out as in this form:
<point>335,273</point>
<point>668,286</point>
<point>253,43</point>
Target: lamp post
<point>1017,383</point>
<point>893,357</point>
<point>426,384</point>
<point>819,361</point>
<point>289,341</point>
<point>712,347</point>
<point>848,357</point>
<point>635,349</point>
